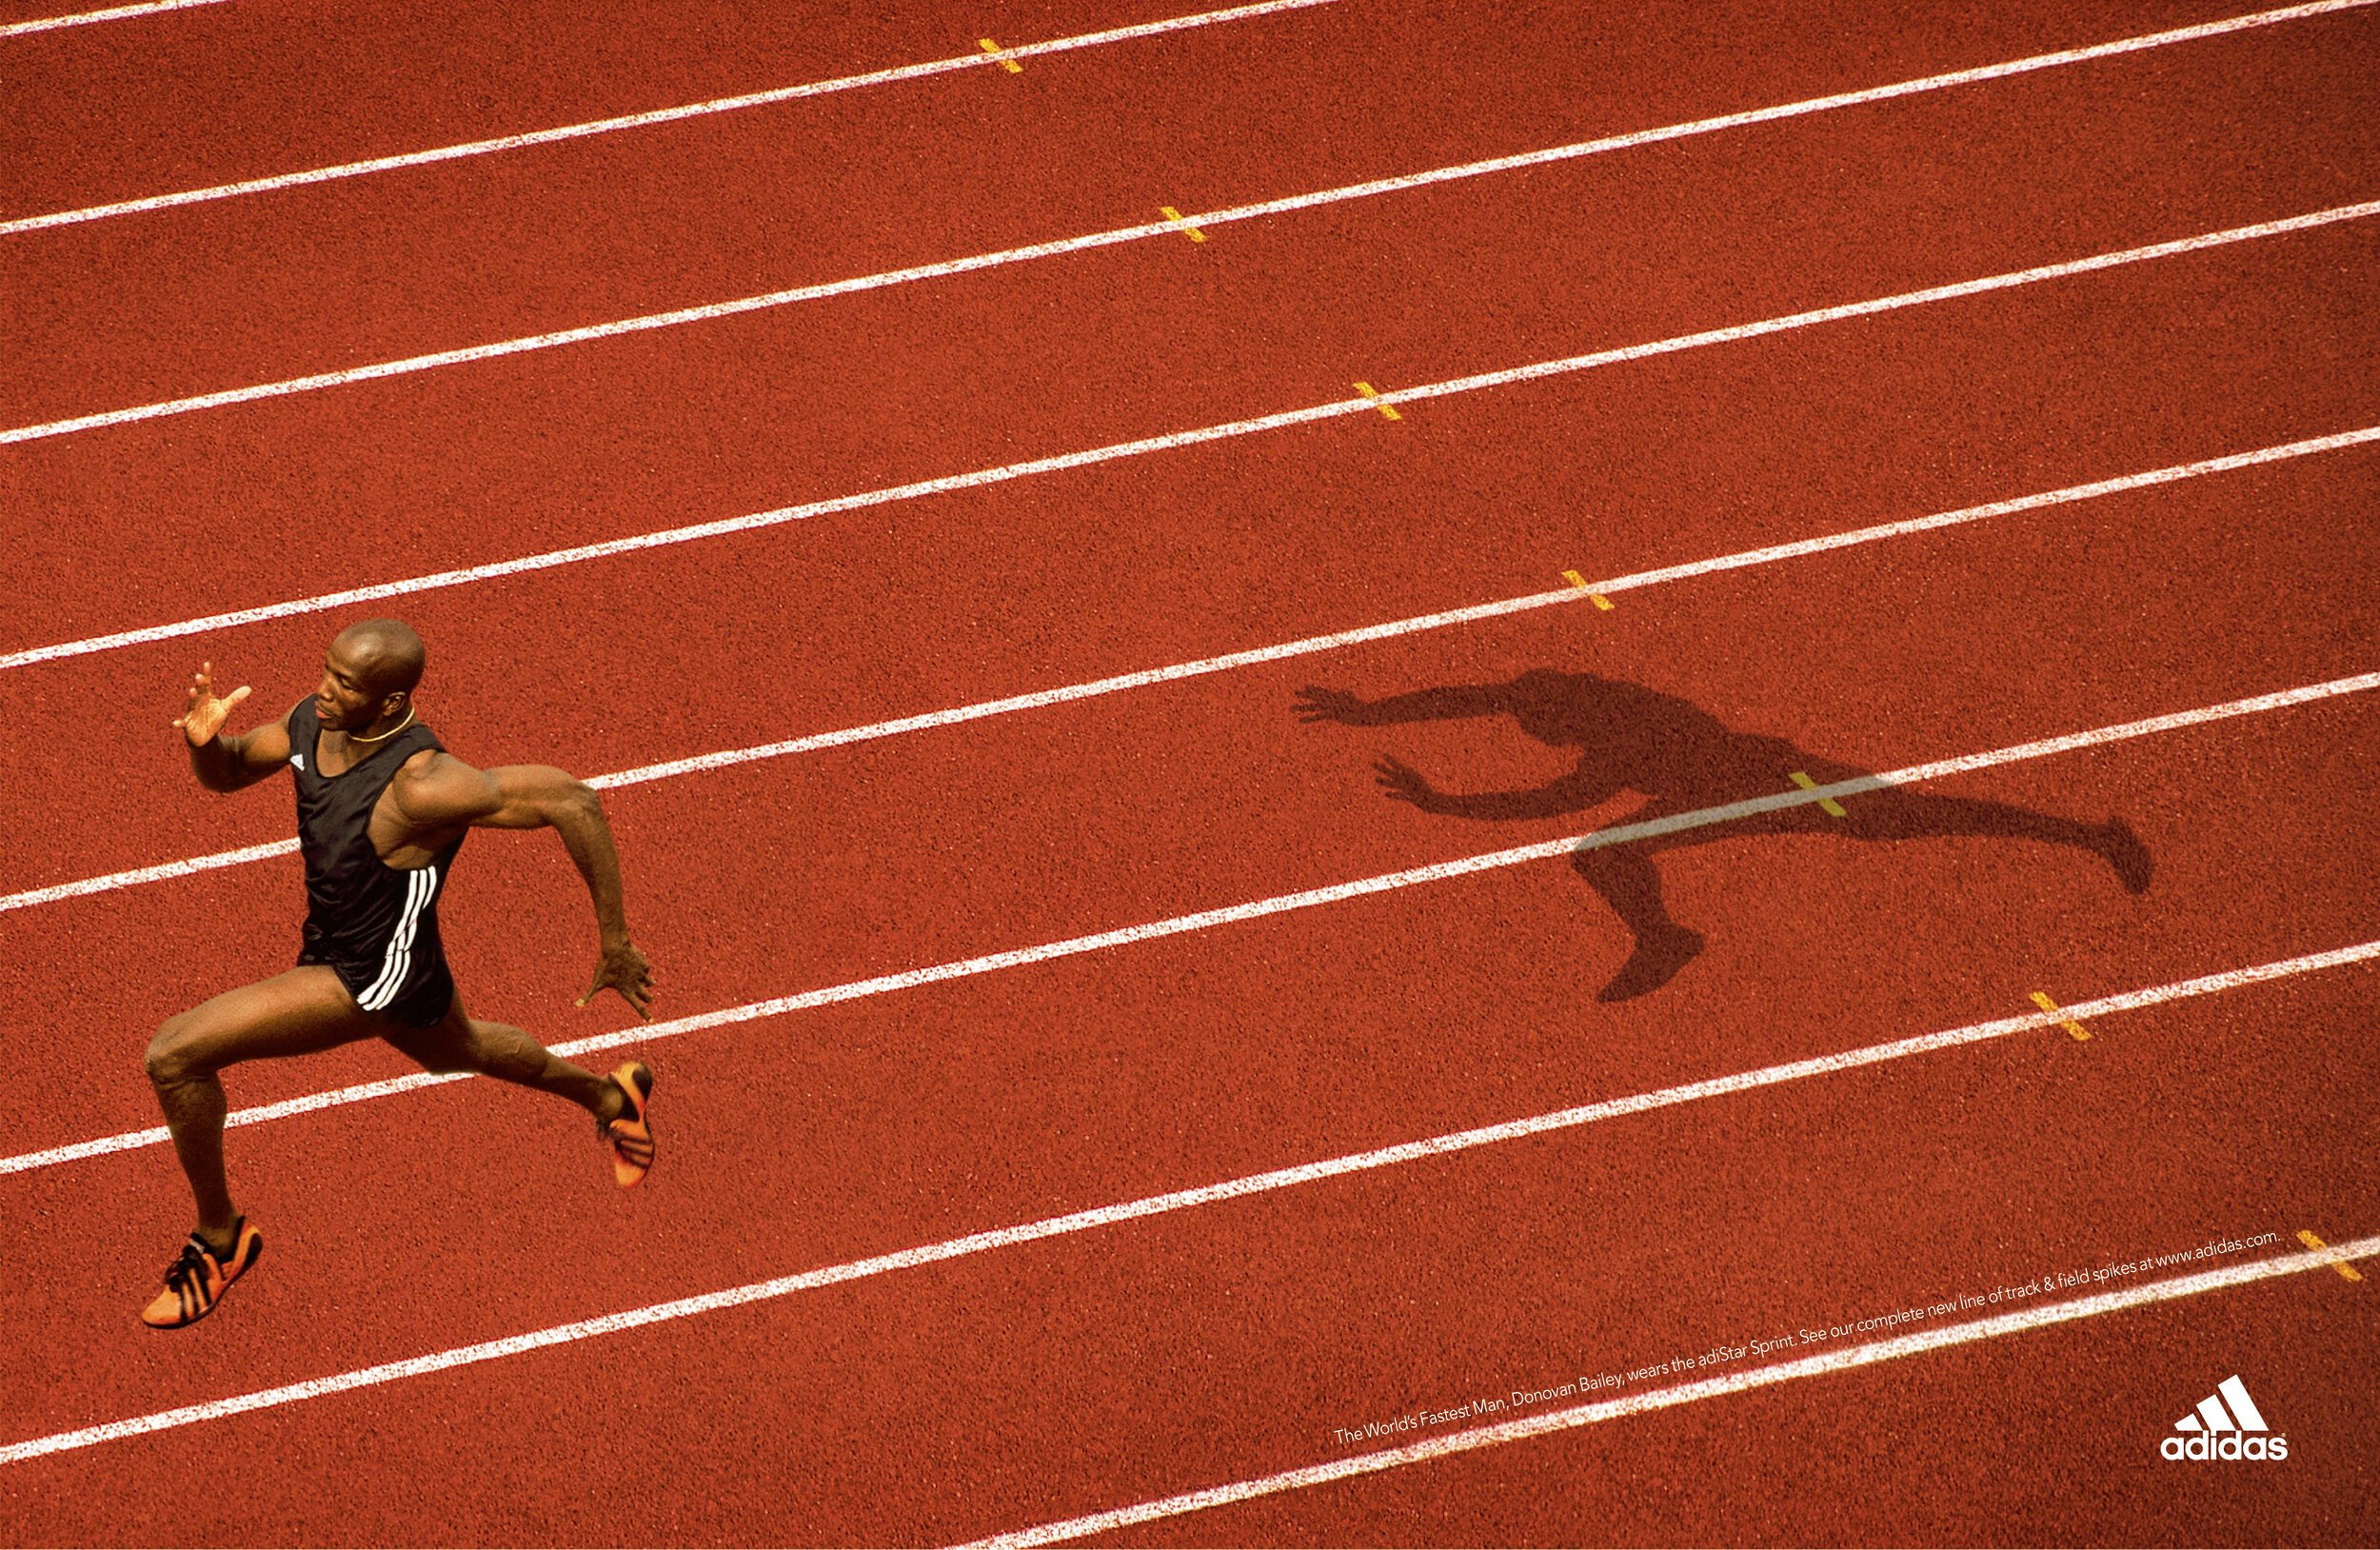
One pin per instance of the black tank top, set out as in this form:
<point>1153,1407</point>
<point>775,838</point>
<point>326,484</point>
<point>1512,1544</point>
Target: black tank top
<point>376,925</point>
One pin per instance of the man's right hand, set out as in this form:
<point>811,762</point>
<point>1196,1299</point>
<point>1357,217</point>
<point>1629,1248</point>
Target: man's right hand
<point>206,714</point>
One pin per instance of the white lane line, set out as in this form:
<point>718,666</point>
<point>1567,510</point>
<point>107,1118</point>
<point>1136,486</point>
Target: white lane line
<point>1249,1185</point>
<point>1359,404</point>
<point>1149,677</point>
<point>697,109</point>
<point>112,13</point>
<point>149,874</point>
<point>1311,898</point>
<point>1893,1349</point>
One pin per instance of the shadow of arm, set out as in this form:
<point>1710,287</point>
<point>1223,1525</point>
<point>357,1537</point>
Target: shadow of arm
<point>1452,703</point>
<point>1571,793</point>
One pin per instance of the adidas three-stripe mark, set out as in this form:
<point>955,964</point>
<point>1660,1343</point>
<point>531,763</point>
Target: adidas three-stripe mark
<point>2219,1419</point>
<point>419,890</point>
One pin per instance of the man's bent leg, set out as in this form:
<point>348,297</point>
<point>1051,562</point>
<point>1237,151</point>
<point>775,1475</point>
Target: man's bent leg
<point>497,1049</point>
<point>301,1012</point>
<point>619,1101</point>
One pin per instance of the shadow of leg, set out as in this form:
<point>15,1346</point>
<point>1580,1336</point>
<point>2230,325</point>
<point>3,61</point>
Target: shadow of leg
<point>1628,880</point>
<point>1908,815</point>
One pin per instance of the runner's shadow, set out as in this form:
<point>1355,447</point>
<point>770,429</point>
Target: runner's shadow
<point>1686,762</point>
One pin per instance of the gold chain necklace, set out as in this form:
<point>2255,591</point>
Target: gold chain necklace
<point>387,735</point>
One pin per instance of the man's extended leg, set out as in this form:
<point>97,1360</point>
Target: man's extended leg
<point>459,1043</point>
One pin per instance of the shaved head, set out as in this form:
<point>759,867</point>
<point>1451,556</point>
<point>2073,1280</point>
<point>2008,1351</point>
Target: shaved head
<point>385,654</point>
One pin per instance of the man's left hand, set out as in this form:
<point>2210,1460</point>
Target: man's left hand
<point>624,969</point>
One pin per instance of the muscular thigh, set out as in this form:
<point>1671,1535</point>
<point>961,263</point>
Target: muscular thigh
<point>454,1044</point>
<point>300,1012</point>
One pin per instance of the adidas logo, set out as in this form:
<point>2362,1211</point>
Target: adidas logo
<point>2213,1433</point>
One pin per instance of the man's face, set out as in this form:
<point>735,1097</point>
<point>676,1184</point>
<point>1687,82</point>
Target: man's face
<point>342,700</point>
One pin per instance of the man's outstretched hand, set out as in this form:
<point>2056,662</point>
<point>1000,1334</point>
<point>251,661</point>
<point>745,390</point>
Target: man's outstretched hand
<point>1318,703</point>
<point>624,969</point>
<point>206,714</point>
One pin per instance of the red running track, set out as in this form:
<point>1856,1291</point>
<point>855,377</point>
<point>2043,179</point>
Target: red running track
<point>1339,1013</point>
<point>721,419</point>
<point>951,601</point>
<point>1126,1364</point>
<point>269,293</point>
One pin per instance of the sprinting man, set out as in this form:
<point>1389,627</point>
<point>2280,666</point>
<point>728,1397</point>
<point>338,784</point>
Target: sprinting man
<point>1685,759</point>
<point>382,808</point>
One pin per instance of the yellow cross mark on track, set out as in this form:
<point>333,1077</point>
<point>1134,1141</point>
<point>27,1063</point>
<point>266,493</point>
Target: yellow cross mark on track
<point>1365,388</point>
<point>1009,65</point>
<point>2047,1005</point>
<point>2340,1265</point>
<point>1581,581</point>
<point>1174,215</point>
<point>1826,805</point>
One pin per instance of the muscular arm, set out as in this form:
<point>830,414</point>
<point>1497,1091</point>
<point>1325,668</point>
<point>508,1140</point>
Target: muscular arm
<point>444,794</point>
<point>228,762</point>
<point>540,796</point>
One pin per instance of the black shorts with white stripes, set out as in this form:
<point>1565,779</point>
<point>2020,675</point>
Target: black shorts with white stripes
<point>420,1003</point>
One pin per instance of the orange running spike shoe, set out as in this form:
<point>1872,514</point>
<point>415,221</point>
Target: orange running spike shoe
<point>631,1134</point>
<point>196,1282</point>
